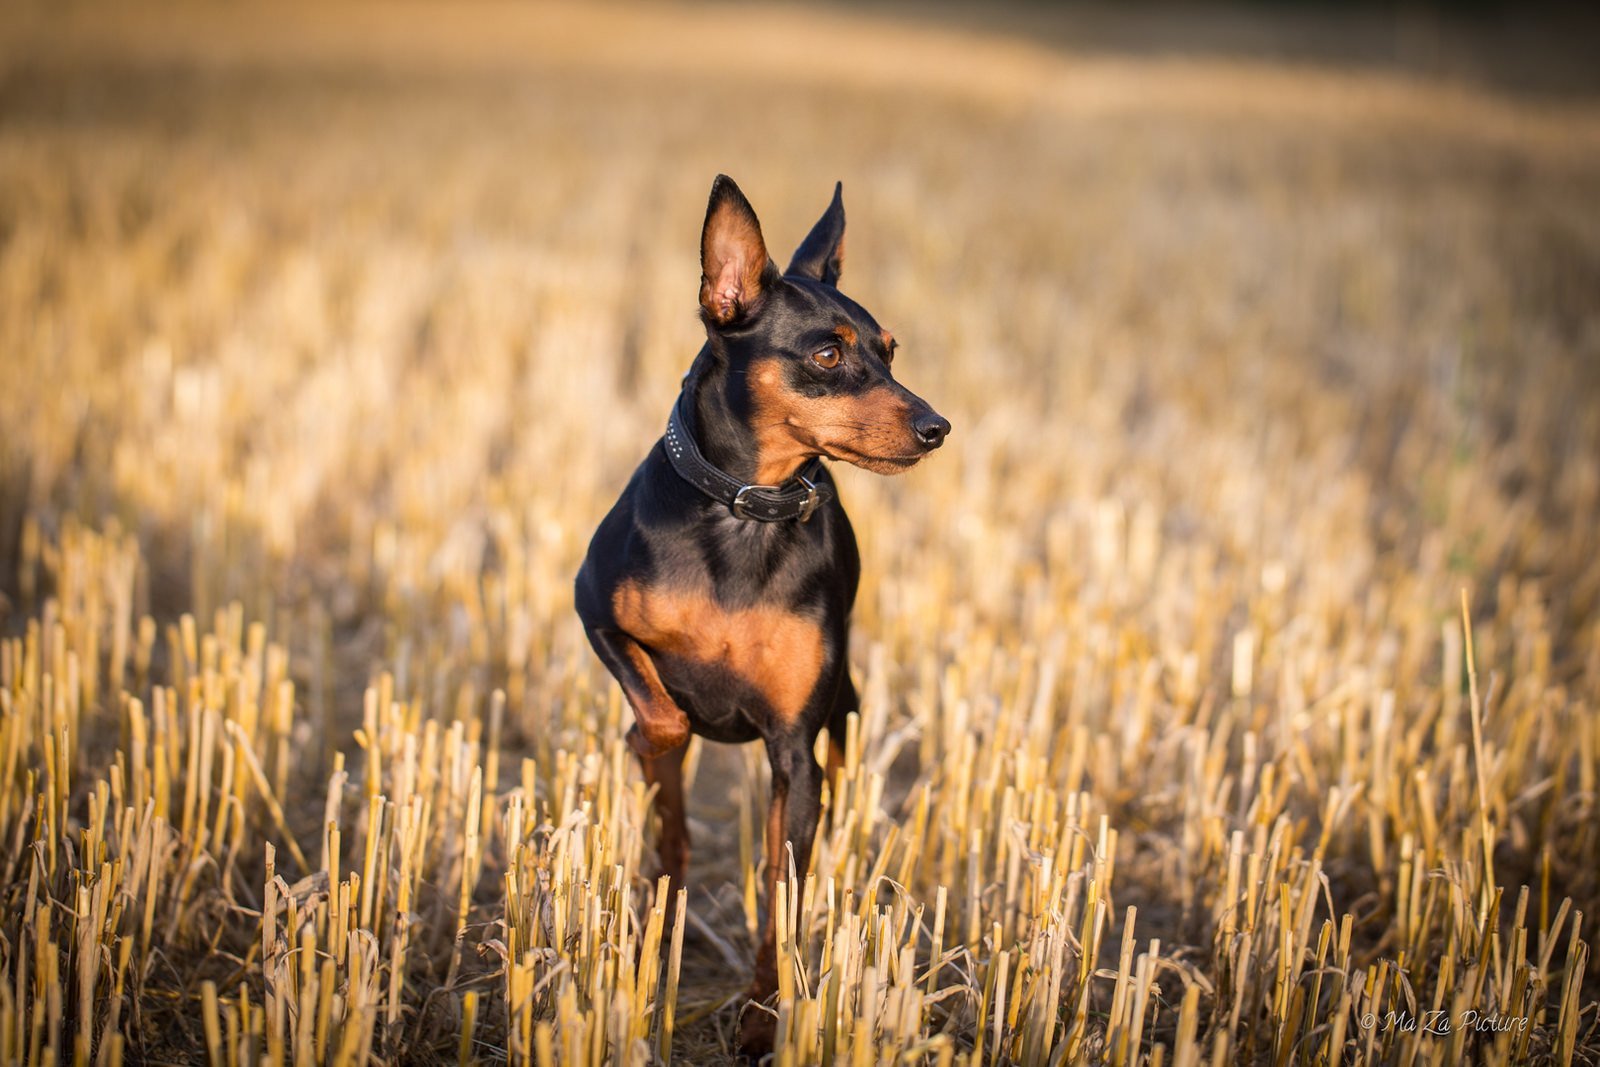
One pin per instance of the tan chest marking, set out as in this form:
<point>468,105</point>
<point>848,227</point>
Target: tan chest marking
<point>776,651</point>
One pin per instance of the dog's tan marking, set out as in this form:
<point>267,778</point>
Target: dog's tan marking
<point>848,335</point>
<point>866,430</point>
<point>779,451</point>
<point>776,651</point>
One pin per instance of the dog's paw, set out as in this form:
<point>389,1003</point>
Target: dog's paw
<point>757,1028</point>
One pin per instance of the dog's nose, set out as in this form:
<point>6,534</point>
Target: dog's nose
<point>931,428</point>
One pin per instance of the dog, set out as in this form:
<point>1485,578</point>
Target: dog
<point>718,589</point>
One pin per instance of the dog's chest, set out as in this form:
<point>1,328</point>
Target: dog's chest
<point>777,652</point>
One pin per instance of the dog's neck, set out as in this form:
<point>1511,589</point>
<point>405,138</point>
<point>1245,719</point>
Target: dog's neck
<point>721,422</point>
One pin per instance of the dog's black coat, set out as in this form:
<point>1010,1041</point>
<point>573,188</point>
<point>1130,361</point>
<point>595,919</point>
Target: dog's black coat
<point>732,629</point>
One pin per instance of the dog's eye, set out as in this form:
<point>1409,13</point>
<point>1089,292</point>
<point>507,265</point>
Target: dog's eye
<point>888,355</point>
<point>827,358</point>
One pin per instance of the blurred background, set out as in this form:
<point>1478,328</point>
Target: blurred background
<point>1265,331</point>
<point>348,254</point>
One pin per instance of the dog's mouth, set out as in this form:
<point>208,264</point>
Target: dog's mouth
<point>876,464</point>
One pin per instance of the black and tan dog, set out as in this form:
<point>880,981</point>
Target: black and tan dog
<point>718,589</point>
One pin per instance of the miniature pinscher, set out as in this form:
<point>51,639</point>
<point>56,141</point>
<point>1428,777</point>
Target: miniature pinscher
<point>718,589</point>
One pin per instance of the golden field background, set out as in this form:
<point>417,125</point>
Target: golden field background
<point>328,334</point>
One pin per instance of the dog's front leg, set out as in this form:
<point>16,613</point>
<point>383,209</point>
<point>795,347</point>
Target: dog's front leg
<point>658,737</point>
<point>659,725</point>
<point>665,772</point>
<point>791,824</point>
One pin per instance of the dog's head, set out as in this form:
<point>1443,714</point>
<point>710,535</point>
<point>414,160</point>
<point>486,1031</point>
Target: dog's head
<point>809,368</point>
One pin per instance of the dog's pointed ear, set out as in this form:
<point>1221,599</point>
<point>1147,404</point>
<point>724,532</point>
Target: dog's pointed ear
<point>820,256</point>
<point>735,269</point>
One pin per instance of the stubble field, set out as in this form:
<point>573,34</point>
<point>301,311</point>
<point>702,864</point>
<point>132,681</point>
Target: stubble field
<point>327,338</point>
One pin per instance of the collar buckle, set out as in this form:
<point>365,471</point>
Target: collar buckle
<point>740,504</point>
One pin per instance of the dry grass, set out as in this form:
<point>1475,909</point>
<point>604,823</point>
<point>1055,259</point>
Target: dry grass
<point>324,349</point>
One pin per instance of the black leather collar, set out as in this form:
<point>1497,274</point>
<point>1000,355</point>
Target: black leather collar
<point>796,498</point>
